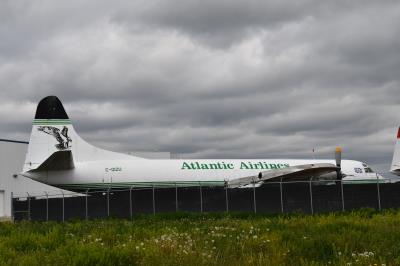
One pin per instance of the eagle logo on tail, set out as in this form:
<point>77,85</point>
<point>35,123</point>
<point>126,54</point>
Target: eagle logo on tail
<point>64,141</point>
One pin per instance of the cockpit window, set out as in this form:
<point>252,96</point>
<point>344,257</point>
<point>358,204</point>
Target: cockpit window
<point>358,170</point>
<point>368,170</point>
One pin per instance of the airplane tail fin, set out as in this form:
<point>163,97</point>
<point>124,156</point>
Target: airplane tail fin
<point>395,167</point>
<point>52,132</point>
<point>54,140</point>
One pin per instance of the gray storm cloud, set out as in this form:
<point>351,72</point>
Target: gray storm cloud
<point>209,78</point>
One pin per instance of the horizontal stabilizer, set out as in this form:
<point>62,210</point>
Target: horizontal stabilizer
<point>292,173</point>
<point>59,160</point>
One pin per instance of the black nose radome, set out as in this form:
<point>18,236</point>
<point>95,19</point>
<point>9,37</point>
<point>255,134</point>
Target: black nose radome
<point>50,108</point>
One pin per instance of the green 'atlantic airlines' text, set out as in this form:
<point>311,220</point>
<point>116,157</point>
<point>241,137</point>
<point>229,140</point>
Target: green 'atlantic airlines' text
<point>231,166</point>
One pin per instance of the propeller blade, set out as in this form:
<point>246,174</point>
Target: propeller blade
<point>338,156</point>
<point>338,159</point>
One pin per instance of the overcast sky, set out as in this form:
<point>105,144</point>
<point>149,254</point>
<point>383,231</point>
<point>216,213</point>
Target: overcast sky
<point>209,79</point>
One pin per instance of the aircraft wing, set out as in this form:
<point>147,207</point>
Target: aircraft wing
<point>292,173</point>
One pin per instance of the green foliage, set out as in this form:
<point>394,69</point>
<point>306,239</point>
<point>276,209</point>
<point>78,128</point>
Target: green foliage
<point>364,237</point>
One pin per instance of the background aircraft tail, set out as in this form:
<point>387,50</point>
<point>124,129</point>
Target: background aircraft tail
<point>395,167</point>
<point>53,135</point>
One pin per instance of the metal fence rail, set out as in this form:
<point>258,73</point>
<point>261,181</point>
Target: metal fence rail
<point>301,196</point>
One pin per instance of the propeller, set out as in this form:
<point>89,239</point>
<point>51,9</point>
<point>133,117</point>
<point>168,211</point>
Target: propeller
<point>338,159</point>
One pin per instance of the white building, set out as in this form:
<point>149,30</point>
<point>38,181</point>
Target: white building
<point>151,154</point>
<point>12,156</point>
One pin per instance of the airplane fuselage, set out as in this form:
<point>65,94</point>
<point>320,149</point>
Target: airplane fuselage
<point>128,173</point>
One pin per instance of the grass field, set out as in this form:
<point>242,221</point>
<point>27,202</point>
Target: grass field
<point>364,237</point>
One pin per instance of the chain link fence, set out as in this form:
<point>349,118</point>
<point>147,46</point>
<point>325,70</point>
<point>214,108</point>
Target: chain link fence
<point>274,197</point>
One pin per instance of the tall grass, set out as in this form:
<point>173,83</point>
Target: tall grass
<point>364,237</point>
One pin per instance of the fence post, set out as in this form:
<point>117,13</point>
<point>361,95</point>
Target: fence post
<point>47,206</point>
<point>379,192</point>
<point>12,207</point>
<point>130,202</point>
<point>280,188</point>
<point>176,197</point>
<point>86,204</point>
<point>201,198</point>
<point>311,198</point>
<point>108,202</point>
<point>254,197</point>
<point>63,217</point>
<point>341,188</point>
<point>154,202</point>
<point>29,207</point>
<point>226,197</point>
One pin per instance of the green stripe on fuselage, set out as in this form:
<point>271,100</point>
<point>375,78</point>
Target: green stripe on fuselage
<point>140,184</point>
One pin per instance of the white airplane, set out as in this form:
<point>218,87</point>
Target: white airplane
<point>395,167</point>
<point>59,157</point>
